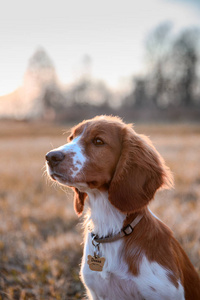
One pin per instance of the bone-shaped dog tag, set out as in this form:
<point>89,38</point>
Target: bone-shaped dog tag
<point>96,263</point>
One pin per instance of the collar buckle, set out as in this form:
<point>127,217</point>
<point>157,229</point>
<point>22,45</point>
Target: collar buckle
<point>127,230</point>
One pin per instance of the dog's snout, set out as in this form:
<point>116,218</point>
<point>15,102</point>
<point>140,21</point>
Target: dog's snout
<point>54,157</point>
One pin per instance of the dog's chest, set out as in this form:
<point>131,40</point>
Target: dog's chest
<point>116,282</point>
<point>113,282</point>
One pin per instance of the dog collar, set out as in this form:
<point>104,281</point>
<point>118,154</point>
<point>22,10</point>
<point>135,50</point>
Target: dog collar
<point>127,230</point>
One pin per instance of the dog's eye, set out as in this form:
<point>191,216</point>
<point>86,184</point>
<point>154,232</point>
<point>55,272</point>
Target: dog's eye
<point>70,138</point>
<point>97,141</point>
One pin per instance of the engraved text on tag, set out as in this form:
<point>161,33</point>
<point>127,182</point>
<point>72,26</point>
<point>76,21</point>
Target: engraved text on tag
<point>96,263</point>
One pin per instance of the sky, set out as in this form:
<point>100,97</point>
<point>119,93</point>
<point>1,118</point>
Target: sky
<point>111,32</point>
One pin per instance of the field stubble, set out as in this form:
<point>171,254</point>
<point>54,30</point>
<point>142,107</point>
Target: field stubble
<point>40,239</point>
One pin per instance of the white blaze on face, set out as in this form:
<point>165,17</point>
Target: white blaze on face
<point>78,157</point>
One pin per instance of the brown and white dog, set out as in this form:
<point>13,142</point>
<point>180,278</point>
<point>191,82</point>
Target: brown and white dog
<point>129,253</point>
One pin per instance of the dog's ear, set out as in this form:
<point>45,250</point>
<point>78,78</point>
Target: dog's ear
<point>139,173</point>
<point>79,199</point>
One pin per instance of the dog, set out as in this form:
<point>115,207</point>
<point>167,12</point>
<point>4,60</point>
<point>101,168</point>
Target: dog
<point>128,253</point>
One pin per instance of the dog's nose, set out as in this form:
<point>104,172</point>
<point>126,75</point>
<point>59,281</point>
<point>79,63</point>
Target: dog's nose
<point>54,158</point>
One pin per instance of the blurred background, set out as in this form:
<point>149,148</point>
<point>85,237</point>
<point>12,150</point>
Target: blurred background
<point>65,61</point>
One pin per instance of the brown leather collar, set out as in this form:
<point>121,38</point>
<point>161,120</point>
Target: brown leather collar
<point>127,230</point>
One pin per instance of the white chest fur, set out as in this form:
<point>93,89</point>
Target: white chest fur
<point>115,282</point>
<point>104,219</point>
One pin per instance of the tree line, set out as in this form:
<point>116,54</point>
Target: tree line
<point>173,70</point>
<point>171,80</point>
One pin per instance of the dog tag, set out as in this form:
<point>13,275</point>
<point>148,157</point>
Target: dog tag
<point>96,263</point>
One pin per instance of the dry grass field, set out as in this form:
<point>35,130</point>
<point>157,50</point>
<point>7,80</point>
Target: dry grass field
<point>40,239</point>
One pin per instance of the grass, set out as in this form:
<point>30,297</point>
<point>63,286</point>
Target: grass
<point>40,239</point>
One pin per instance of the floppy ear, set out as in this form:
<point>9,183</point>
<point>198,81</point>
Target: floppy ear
<point>139,173</point>
<point>79,199</point>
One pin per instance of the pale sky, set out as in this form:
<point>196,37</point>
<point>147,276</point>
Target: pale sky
<point>112,32</point>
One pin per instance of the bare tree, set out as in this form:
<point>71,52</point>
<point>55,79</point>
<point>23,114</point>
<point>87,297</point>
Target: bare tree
<point>185,58</point>
<point>158,51</point>
<point>42,74</point>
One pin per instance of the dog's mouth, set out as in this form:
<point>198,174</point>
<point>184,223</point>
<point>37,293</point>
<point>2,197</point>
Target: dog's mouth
<point>58,177</point>
<point>61,179</point>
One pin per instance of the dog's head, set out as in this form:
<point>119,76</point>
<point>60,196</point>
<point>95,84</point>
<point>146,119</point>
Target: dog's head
<point>106,154</point>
